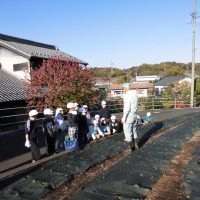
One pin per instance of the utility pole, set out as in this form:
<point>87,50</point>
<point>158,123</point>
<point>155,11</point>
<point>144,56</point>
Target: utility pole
<point>194,17</point>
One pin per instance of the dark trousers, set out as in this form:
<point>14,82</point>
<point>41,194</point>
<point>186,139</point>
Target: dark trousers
<point>35,148</point>
<point>50,145</point>
<point>59,140</point>
<point>82,137</point>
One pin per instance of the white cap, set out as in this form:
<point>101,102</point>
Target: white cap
<point>103,103</point>
<point>85,106</point>
<point>59,110</point>
<point>48,111</point>
<point>70,105</point>
<point>113,117</point>
<point>75,104</point>
<point>148,114</point>
<point>33,113</point>
<point>97,116</point>
<point>95,122</point>
<point>102,119</point>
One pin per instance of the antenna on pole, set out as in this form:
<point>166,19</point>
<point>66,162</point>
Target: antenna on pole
<point>194,17</point>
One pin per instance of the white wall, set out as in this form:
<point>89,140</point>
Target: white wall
<point>160,89</point>
<point>117,93</point>
<point>189,80</point>
<point>146,78</point>
<point>142,93</point>
<point>8,58</point>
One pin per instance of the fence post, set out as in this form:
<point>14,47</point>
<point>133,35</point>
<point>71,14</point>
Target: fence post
<point>175,103</point>
<point>153,103</point>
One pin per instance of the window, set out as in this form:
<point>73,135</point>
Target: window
<point>20,67</point>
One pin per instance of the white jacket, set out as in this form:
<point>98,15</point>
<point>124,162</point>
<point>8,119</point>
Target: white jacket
<point>130,106</point>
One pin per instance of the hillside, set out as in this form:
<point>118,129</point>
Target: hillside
<point>162,69</point>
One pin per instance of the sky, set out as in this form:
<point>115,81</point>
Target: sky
<point>107,33</point>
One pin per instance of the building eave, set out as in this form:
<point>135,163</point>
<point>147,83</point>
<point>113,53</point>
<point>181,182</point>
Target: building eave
<point>11,48</point>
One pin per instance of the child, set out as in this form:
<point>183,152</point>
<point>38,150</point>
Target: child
<point>114,125</point>
<point>148,118</point>
<point>31,135</point>
<point>95,132</point>
<point>88,116</point>
<point>82,127</point>
<point>72,120</point>
<point>60,130</point>
<point>105,112</point>
<point>71,142</point>
<point>49,131</point>
<point>105,127</point>
<point>97,118</point>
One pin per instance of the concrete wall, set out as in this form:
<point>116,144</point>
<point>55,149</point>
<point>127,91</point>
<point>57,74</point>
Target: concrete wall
<point>142,92</point>
<point>8,58</point>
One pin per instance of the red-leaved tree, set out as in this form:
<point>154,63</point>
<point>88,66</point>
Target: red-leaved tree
<point>58,81</point>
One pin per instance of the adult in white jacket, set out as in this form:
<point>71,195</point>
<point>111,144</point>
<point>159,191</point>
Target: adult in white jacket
<point>129,116</point>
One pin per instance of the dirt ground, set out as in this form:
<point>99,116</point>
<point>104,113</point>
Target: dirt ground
<point>169,185</point>
<point>79,181</point>
<point>167,188</point>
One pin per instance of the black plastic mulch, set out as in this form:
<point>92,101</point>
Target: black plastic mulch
<point>135,175</point>
<point>34,183</point>
<point>191,178</point>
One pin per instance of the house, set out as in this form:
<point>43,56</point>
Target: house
<point>162,84</point>
<point>144,89</point>
<point>12,101</point>
<point>147,78</point>
<point>11,88</point>
<point>19,56</point>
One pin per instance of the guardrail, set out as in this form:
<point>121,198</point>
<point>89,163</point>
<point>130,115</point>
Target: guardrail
<point>17,116</point>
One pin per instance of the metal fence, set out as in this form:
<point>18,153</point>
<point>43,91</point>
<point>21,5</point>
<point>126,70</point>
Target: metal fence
<point>15,118</point>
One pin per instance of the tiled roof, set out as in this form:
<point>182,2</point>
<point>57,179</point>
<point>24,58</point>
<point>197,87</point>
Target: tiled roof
<point>169,80</point>
<point>30,48</point>
<point>116,87</point>
<point>141,85</point>
<point>134,85</point>
<point>11,87</point>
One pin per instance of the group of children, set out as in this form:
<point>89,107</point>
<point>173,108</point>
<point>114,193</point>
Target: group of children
<point>79,129</point>
<point>53,129</point>
<point>59,135</point>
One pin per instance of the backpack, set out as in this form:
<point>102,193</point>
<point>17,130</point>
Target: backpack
<point>71,144</point>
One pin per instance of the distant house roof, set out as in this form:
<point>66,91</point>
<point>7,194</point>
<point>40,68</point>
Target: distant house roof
<point>169,80</point>
<point>116,87</point>
<point>11,87</point>
<point>134,85</point>
<point>28,48</point>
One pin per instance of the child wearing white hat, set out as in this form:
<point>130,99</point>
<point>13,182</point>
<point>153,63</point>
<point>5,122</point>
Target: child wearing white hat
<point>72,119</point>
<point>31,135</point>
<point>104,126</point>
<point>49,131</point>
<point>114,125</point>
<point>105,112</point>
<point>60,130</point>
<point>95,132</point>
<point>148,118</point>
<point>82,127</point>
